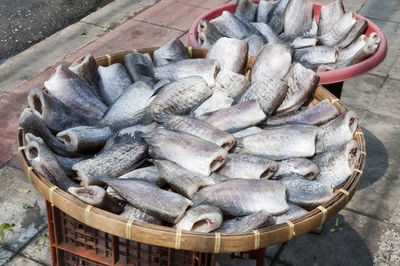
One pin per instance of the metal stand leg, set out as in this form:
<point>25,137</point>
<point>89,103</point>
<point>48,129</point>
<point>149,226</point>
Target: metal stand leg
<point>335,88</point>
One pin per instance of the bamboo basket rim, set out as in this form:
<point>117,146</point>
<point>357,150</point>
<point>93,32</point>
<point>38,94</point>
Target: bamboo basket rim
<point>187,240</point>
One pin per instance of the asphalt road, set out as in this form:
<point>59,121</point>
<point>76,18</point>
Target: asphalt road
<point>26,22</point>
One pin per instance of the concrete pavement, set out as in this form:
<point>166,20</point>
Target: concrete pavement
<point>370,224</point>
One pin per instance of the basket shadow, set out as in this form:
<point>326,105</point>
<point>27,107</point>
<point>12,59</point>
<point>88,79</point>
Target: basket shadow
<point>377,160</point>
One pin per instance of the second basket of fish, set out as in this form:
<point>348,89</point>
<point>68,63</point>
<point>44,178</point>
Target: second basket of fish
<point>191,149</point>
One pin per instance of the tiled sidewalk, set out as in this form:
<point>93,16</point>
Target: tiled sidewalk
<point>370,223</point>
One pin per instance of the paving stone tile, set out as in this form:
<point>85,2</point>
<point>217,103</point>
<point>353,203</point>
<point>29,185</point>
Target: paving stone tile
<point>25,210</point>
<point>356,242</point>
<point>208,4</point>
<point>226,260</point>
<point>395,72</point>
<point>11,106</point>
<point>184,39</point>
<point>353,5</point>
<point>392,33</point>
<point>39,249</point>
<point>172,14</point>
<point>137,34</point>
<point>361,92</point>
<point>388,10</point>
<point>19,260</point>
<point>387,101</point>
<point>5,255</point>
<point>15,162</point>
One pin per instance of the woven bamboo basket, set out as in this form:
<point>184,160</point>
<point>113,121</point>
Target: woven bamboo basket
<point>187,240</point>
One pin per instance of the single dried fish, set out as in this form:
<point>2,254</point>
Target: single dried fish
<point>67,87</point>
<point>181,180</point>
<point>172,51</point>
<point>302,83</point>
<point>248,166</point>
<point>217,101</point>
<point>202,130</point>
<point>313,56</point>
<point>339,30</point>
<point>303,42</point>
<point>202,218</point>
<point>179,97</point>
<point>205,68</point>
<point>294,212</point>
<point>298,17</point>
<point>266,31</point>
<point>247,223</point>
<point>56,115</point>
<point>231,83</point>
<point>86,68</point>
<point>140,67</point>
<point>329,14</point>
<point>273,61</point>
<point>338,164</point>
<point>318,114</point>
<point>230,53</point>
<point>237,117</point>
<point>246,9</point>
<point>269,93</point>
<point>276,20</point>
<point>86,139</point>
<point>264,10</point>
<point>232,26</point>
<point>114,79</point>
<point>164,205</point>
<point>359,28</point>
<point>339,131</point>
<point>134,213</point>
<point>247,131</point>
<point>96,196</point>
<point>301,166</point>
<point>207,33</point>
<point>282,142</point>
<point>239,197</point>
<point>193,153</point>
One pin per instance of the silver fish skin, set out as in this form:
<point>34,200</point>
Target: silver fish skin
<point>329,14</point>
<point>164,205</point>
<point>302,83</point>
<point>247,166</point>
<point>43,161</point>
<point>202,130</point>
<point>266,31</point>
<point>86,68</point>
<point>348,53</point>
<point>313,56</point>
<point>318,114</point>
<point>359,28</point>
<point>239,197</point>
<point>96,196</point>
<point>231,83</point>
<point>172,51</point>
<point>128,108</point>
<point>360,49</point>
<point>339,30</point>
<point>230,53</point>
<point>181,180</point>
<point>294,212</point>
<point>338,164</point>
<point>217,101</point>
<point>276,20</point>
<point>246,9</point>
<point>247,223</point>
<point>85,139</point>
<point>111,163</point>
<point>179,97</point>
<point>313,30</point>
<point>305,192</point>
<point>56,115</point>
<point>67,87</point>
<point>34,125</point>
<point>205,68</point>
<point>255,43</point>
<point>282,142</point>
<point>114,79</point>
<point>140,67</point>
<point>231,26</point>
<point>270,94</point>
<point>202,218</point>
<point>303,42</point>
<point>237,117</point>
<point>301,166</point>
<point>368,50</point>
<point>339,130</point>
<point>247,131</point>
<point>193,153</point>
<point>131,212</point>
<point>207,33</point>
<point>264,10</point>
<point>298,17</point>
<point>273,61</point>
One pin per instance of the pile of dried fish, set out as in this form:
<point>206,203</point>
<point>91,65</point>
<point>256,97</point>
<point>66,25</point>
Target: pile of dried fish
<point>336,41</point>
<point>191,143</point>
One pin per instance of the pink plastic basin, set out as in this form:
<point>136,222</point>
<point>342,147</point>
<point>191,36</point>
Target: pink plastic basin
<point>328,77</point>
